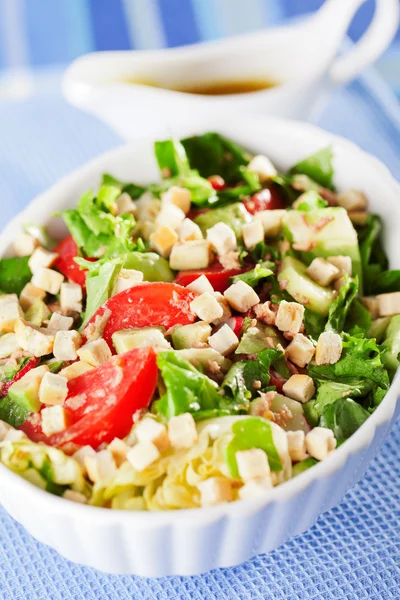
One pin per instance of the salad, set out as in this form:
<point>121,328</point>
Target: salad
<point>197,340</point>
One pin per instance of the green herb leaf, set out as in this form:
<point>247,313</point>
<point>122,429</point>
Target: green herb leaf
<point>343,417</point>
<point>14,274</point>
<point>255,276</point>
<point>171,157</point>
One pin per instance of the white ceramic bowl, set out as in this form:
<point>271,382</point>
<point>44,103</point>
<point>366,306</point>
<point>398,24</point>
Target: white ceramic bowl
<point>189,542</point>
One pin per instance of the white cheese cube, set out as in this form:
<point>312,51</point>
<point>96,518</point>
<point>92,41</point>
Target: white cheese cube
<point>119,449</point>
<point>150,430</point>
<point>163,240</point>
<point>253,234</point>
<point>54,419</point>
<point>180,197</point>
<point>224,340</point>
<point>263,167</point>
<point>29,294</point>
<point>59,322</point>
<point>297,445</point>
<point>343,263</point>
<point>252,464</point>
<point>241,296</point>
<point>148,207</point>
<point>142,455</point>
<point>171,216</point>
<point>329,348</point>
<point>300,350</point>
<point>41,258</point>
<point>36,340</point>
<point>4,429</point>
<point>299,387</point>
<point>25,244</point>
<point>206,307</point>
<point>10,312</point>
<point>189,230</point>
<point>76,369</point>
<point>81,455</point>
<point>66,343</point>
<point>125,205</point>
<point>320,442</point>
<point>8,345</point>
<point>352,200</point>
<point>371,303</point>
<point>53,389</point>
<point>389,304</point>
<point>95,353</point>
<point>101,466</point>
<point>255,488</point>
<point>194,254</point>
<point>201,285</point>
<point>14,435</point>
<point>322,271</point>
<point>71,297</point>
<point>222,238</point>
<point>126,279</point>
<point>74,496</point>
<point>224,304</point>
<point>182,431</point>
<point>271,221</point>
<point>48,280</point>
<point>289,316</point>
<point>215,490</point>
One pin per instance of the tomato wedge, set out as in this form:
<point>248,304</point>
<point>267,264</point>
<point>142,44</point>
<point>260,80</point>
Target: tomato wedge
<point>147,305</point>
<point>31,364</point>
<point>216,275</point>
<point>67,251</point>
<point>101,402</point>
<point>267,199</point>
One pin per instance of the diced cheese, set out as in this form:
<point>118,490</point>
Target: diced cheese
<point>343,263</point>
<point>76,369</point>
<point>252,464</point>
<point>320,442</point>
<point>189,230</point>
<point>48,280</point>
<point>53,389</point>
<point>241,296</point>
<point>222,238</point>
<point>194,254</point>
<point>8,345</point>
<point>300,350</point>
<point>352,200</point>
<point>297,445</point>
<point>101,466</point>
<point>125,205</point>
<point>81,455</point>
<point>171,216</point>
<point>180,197</point>
<point>36,340</point>
<point>206,307</point>
<point>329,348</point>
<point>163,240</point>
<point>389,304</point>
<point>215,490</point>
<point>289,316</point>
<point>25,244</point>
<point>255,488</point>
<point>60,322</point>
<point>54,419</point>
<point>119,449</point>
<point>74,496</point>
<point>142,455</point>
<point>14,435</point>
<point>4,429</point>
<point>66,343</point>
<point>41,258</point>
<point>299,387</point>
<point>224,340</point>
<point>95,353</point>
<point>182,431</point>
<point>29,294</point>
<point>200,285</point>
<point>148,207</point>
<point>253,234</point>
<point>126,279</point>
<point>322,271</point>
<point>371,303</point>
<point>263,167</point>
<point>154,338</point>
<point>150,430</point>
<point>271,221</point>
<point>71,297</point>
<point>10,312</point>
<point>226,311</point>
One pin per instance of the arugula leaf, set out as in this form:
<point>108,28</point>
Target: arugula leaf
<point>341,305</point>
<point>99,286</point>
<point>263,250</point>
<point>343,417</point>
<point>310,201</point>
<point>171,157</point>
<point>238,383</point>
<point>255,276</point>
<point>318,167</point>
<point>14,274</point>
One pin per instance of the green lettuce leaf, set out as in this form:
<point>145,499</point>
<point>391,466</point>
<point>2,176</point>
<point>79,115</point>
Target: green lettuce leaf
<point>99,286</point>
<point>341,305</point>
<point>255,276</point>
<point>14,274</point>
<point>343,417</point>
<point>172,158</point>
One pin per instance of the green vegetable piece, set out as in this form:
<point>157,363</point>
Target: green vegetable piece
<point>378,328</point>
<point>201,358</point>
<point>302,288</point>
<point>358,316</point>
<point>235,215</point>
<point>256,339</point>
<point>25,391</point>
<point>329,392</point>
<point>134,190</point>
<point>310,201</point>
<point>11,412</point>
<point>127,339</point>
<point>343,417</point>
<point>37,312</point>
<point>387,281</point>
<point>153,266</point>
<point>297,422</point>
<point>318,167</point>
<point>256,275</point>
<point>392,343</point>
<point>253,432</point>
<point>341,305</point>
<point>187,336</point>
<point>303,465</point>
<point>171,158</point>
<point>41,234</point>
<point>311,414</point>
<point>99,286</point>
<point>14,274</point>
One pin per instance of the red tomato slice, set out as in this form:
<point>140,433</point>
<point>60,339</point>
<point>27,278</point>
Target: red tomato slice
<point>101,402</point>
<point>237,323</point>
<point>31,364</point>
<point>147,305</point>
<point>216,275</point>
<point>67,251</point>
<point>267,199</point>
